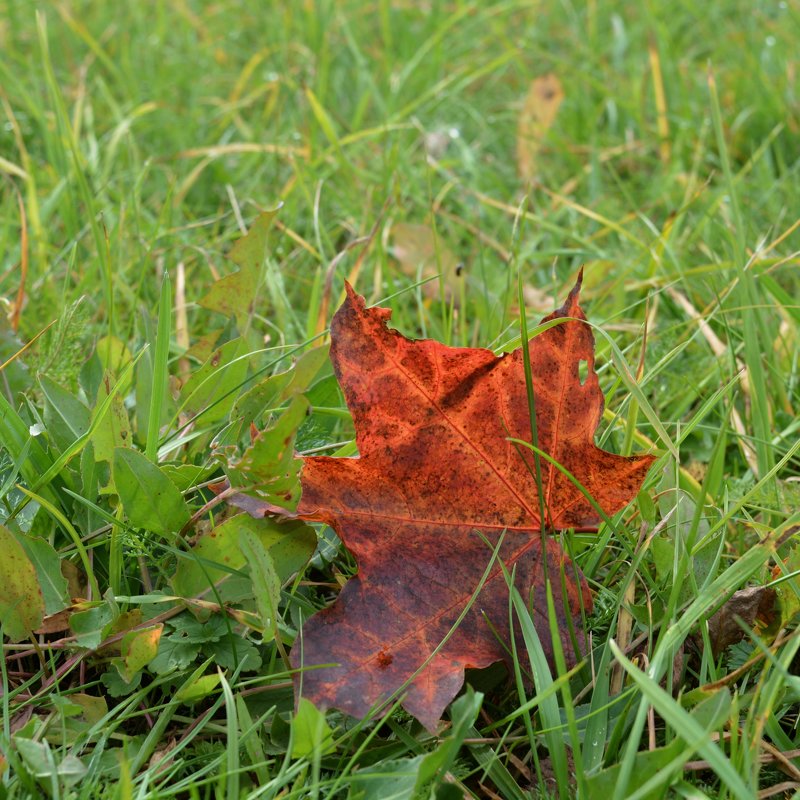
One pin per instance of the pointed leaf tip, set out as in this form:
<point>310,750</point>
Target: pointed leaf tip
<point>571,308</point>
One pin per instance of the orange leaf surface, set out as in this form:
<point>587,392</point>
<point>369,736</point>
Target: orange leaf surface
<point>438,481</point>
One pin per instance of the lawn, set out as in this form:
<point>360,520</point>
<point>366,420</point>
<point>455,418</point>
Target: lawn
<point>185,188</point>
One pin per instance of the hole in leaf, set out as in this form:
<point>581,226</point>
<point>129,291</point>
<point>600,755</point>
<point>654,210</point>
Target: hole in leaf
<point>583,370</point>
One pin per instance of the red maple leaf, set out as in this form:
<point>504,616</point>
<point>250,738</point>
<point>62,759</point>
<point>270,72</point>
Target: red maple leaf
<point>438,482</point>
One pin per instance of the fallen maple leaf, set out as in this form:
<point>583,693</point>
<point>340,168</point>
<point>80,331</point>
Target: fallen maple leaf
<point>437,484</point>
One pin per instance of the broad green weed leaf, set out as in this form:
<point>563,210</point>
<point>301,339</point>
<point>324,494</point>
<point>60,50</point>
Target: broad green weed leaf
<point>194,631</point>
<point>92,624</point>
<point>197,689</point>
<point>116,686</point>
<point>24,449</point>
<point>184,476</point>
<point>16,374</point>
<point>47,564</point>
<point>37,756</point>
<point>173,654</point>
<point>277,389</point>
<point>693,728</point>
<point>463,714</point>
<point>217,556</point>
<point>214,561</point>
<point>711,713</point>
<point>647,764</point>
<point>233,652</point>
<point>77,713</point>
<point>395,779</point>
<point>41,762</point>
<point>90,473</point>
<point>92,708</point>
<point>149,497</point>
<point>405,778</point>
<point>788,591</point>
<point>204,346</point>
<point>266,583</point>
<point>66,417</point>
<point>126,621</point>
<point>22,603</point>
<point>235,295</point>
<point>211,388</point>
<point>310,731</point>
<point>268,468</point>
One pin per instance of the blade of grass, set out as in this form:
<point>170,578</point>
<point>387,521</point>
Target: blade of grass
<point>685,726</point>
<point>158,385</point>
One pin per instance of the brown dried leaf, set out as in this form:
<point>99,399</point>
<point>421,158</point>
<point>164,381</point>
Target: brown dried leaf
<point>421,253</point>
<point>755,606</point>
<point>535,120</point>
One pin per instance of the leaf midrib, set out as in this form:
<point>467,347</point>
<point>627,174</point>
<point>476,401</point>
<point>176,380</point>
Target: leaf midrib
<point>463,435</point>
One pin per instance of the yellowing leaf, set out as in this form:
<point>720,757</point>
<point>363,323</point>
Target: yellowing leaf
<point>421,253</point>
<point>93,709</point>
<point>114,429</point>
<point>21,599</point>
<point>137,650</point>
<point>538,114</point>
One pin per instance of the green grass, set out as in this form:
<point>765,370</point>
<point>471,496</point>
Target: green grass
<point>143,139</point>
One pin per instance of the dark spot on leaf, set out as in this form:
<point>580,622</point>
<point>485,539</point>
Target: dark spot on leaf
<point>384,659</point>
